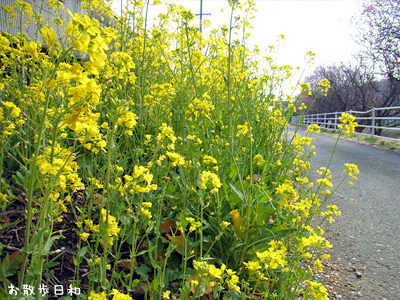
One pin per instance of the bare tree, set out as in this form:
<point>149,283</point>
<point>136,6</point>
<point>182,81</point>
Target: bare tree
<point>353,87</point>
<point>379,34</point>
<point>350,87</point>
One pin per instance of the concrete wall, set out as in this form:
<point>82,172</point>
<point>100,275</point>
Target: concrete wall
<point>37,6</point>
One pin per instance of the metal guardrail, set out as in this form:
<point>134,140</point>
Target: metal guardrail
<point>366,119</point>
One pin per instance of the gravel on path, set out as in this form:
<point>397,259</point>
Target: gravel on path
<point>365,258</point>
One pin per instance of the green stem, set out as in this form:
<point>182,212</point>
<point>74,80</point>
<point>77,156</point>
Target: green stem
<point>107,205</point>
<point>33,170</point>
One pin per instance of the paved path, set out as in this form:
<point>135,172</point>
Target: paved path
<point>369,224</point>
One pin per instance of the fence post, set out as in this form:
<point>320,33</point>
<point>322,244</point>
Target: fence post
<point>373,122</point>
<point>325,120</point>
<point>335,120</point>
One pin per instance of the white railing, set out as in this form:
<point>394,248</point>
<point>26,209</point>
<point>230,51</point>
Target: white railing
<point>369,120</point>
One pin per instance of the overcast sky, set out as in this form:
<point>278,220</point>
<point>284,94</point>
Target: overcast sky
<point>321,26</point>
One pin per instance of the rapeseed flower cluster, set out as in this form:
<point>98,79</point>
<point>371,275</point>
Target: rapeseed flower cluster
<point>306,88</point>
<point>287,192</point>
<point>324,86</point>
<point>350,168</point>
<point>141,181</point>
<point>57,160</point>
<point>222,276</point>
<point>166,136</point>
<point>313,128</point>
<point>348,123</point>
<point>318,291</point>
<point>112,227</point>
<point>258,159</point>
<point>275,256</point>
<point>211,179</point>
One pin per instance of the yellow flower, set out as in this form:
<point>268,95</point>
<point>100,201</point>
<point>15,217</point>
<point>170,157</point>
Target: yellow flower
<point>324,85</point>
<point>101,144</point>
<point>167,294</point>
<point>285,270</point>
<point>215,272</point>
<point>31,48</point>
<point>305,87</point>
<point>3,198</point>
<point>195,282</point>
<point>120,296</point>
<point>176,159</point>
<point>15,111</point>
<point>350,168</point>
<point>146,213</point>
<point>318,291</point>
<point>207,177</point>
<point>209,159</point>
<point>258,159</point>
<point>325,256</point>
<point>82,42</point>
<point>348,123</point>
<point>94,296</point>
<point>313,128</point>
<point>324,182</point>
<point>48,35</point>
<point>243,129</point>
<point>237,222</point>
<point>252,265</point>
<point>225,224</point>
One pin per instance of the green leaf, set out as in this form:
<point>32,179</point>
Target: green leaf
<point>135,282</point>
<point>233,172</point>
<point>50,264</point>
<point>3,293</point>
<point>261,242</point>
<point>155,284</point>
<point>81,253</point>
<point>182,218</point>
<point>236,190</point>
<point>232,295</point>
<point>10,269</point>
<point>50,243</point>
<point>234,248</point>
<point>114,193</point>
<point>145,251</point>
<point>29,249</point>
<point>170,275</point>
<point>103,231</point>
<point>143,271</point>
<point>262,213</point>
<point>20,179</point>
<point>8,225</point>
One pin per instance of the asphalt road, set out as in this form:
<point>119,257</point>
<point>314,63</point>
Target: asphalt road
<point>366,237</point>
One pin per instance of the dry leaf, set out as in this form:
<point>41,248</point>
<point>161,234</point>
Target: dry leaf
<point>178,242</point>
<point>4,219</point>
<point>126,263</point>
<point>167,226</point>
<point>97,198</point>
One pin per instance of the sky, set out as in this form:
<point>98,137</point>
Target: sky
<point>320,26</point>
